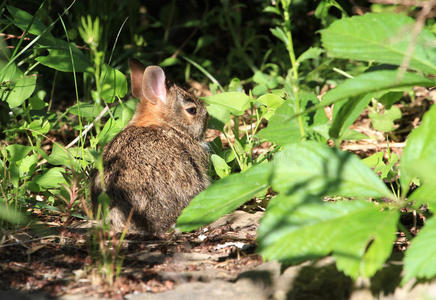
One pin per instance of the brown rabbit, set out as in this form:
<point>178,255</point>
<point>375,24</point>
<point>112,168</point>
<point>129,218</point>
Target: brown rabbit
<point>158,163</point>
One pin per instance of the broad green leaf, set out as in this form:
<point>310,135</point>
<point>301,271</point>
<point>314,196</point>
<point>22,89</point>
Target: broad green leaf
<point>222,169</point>
<point>17,152</point>
<point>390,98</point>
<point>110,130</point>
<point>85,110</point>
<point>420,150</point>
<point>22,19</point>
<point>27,163</point>
<point>282,129</point>
<point>60,156</point>
<point>264,79</point>
<point>345,113</point>
<point>271,102</point>
<point>20,91</point>
<point>234,102</point>
<point>383,38</point>
<point>373,82</point>
<point>384,122</point>
<point>114,84</point>
<point>311,53</point>
<point>37,101</point>
<point>302,226</point>
<point>219,116</point>
<point>38,127</point>
<point>420,259</point>
<point>52,178</point>
<point>60,59</point>
<point>320,169</point>
<point>224,196</point>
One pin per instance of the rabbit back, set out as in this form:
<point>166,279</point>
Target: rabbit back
<point>157,171</point>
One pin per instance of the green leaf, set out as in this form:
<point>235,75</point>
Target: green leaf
<point>357,232</point>
<point>328,171</point>
<point>114,84</point>
<point>60,59</point>
<point>17,152</point>
<point>86,110</point>
<point>222,169</point>
<point>21,90</point>
<point>53,178</point>
<point>282,129</point>
<point>383,38</point>
<point>224,196</point>
<point>271,103</point>
<point>219,116</point>
<point>311,53</point>
<point>38,127</point>
<point>384,122</point>
<point>267,80</point>
<point>419,151</point>
<point>60,156</point>
<point>110,130</point>
<point>420,258</point>
<point>27,163</point>
<point>234,102</point>
<point>280,34</point>
<point>345,113</point>
<point>22,19</point>
<point>373,82</point>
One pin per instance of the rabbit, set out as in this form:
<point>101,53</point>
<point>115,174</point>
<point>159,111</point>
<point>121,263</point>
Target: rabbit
<point>159,162</point>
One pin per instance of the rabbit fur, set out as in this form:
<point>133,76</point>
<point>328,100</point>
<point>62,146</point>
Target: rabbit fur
<point>159,162</point>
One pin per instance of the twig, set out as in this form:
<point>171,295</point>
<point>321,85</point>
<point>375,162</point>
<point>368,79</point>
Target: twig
<point>88,128</point>
<point>356,147</point>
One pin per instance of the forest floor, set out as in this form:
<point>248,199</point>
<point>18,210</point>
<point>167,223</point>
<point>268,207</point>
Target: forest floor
<point>216,262</point>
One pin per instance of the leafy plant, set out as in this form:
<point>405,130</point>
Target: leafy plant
<point>360,232</point>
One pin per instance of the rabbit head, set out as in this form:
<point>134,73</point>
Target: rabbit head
<point>162,105</point>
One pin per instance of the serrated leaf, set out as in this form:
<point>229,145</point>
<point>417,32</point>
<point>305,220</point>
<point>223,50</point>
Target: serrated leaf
<point>373,82</point>
<point>320,169</point>
<point>384,122</point>
<point>224,196</point>
<point>315,228</point>
<point>222,169</point>
<point>420,258</point>
<point>53,178</point>
<point>234,102</point>
<point>383,37</point>
<point>419,150</point>
<point>114,84</point>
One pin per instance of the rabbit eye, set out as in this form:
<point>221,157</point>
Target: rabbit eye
<point>192,110</point>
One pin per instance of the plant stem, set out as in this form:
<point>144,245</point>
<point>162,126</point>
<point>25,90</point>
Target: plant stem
<point>290,47</point>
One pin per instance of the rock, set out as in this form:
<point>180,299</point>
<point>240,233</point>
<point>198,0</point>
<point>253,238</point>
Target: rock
<point>214,290</point>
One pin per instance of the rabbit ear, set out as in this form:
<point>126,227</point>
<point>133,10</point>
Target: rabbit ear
<point>153,85</point>
<point>136,75</point>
